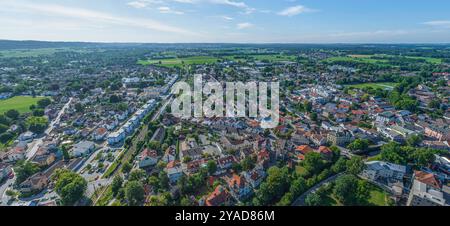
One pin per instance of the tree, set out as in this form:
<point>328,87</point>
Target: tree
<point>313,162</point>
<point>38,112</point>
<point>37,124</point>
<point>345,189</point>
<point>3,128</point>
<point>154,182</point>
<point>355,165</point>
<point>248,163</point>
<point>212,167</point>
<point>340,165</point>
<point>274,187</point>
<point>358,144</point>
<point>44,103</point>
<point>126,167</point>
<point>116,185</point>
<point>137,175</point>
<point>4,120</point>
<point>414,140</point>
<point>13,114</point>
<point>298,186</point>
<point>314,116</point>
<point>163,180</point>
<point>79,107</point>
<point>70,186</point>
<point>313,199</point>
<point>25,169</point>
<point>392,152</point>
<point>114,99</point>
<point>134,193</point>
<point>5,137</point>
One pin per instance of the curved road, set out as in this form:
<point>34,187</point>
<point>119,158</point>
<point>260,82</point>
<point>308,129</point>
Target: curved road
<point>300,201</point>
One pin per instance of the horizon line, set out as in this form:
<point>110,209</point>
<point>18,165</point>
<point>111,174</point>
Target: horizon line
<point>237,43</point>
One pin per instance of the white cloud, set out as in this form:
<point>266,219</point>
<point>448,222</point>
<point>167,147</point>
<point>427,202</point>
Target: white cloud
<point>91,16</point>
<point>241,5</point>
<point>227,18</point>
<point>165,9</point>
<point>139,4</point>
<point>295,10</point>
<point>246,25</point>
<point>438,23</point>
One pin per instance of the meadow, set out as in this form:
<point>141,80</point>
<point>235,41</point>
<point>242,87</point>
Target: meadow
<point>174,62</point>
<point>19,103</point>
<point>380,58</point>
<point>381,85</point>
<point>36,52</point>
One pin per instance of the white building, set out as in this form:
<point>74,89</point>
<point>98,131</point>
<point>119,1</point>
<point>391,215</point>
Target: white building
<point>82,148</point>
<point>383,170</point>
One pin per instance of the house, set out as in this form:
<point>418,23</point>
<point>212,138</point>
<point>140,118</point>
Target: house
<point>226,162</point>
<point>325,152</point>
<point>36,182</point>
<point>239,187</point>
<point>99,134</point>
<point>5,171</point>
<point>27,136</point>
<point>427,191</point>
<point>302,150</point>
<point>339,138</point>
<point>219,197</point>
<point>385,117</point>
<point>255,176</point>
<point>169,155</point>
<point>15,154</point>
<point>147,158</point>
<point>193,166</point>
<point>385,171</point>
<point>82,148</point>
<point>43,157</point>
<point>174,171</point>
<point>437,133</point>
<point>116,137</point>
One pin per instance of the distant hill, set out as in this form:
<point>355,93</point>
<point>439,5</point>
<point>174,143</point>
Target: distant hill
<point>11,45</point>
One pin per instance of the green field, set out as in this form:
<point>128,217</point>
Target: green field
<point>268,57</point>
<point>174,62</point>
<point>378,197</point>
<point>372,60</point>
<point>381,85</point>
<point>356,58</point>
<point>36,52</point>
<point>20,103</point>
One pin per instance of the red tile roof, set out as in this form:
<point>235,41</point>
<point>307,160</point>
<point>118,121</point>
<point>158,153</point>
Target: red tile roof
<point>427,178</point>
<point>304,149</point>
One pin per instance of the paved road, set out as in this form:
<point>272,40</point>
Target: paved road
<point>300,201</point>
<point>38,142</point>
<point>3,188</point>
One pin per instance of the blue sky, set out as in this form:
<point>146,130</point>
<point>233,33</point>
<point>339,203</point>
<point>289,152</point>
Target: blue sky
<point>243,21</point>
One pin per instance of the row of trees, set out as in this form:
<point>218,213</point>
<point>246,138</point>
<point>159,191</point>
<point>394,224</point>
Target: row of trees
<point>282,186</point>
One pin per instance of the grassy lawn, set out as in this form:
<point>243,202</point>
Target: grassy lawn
<point>381,85</point>
<point>428,59</point>
<point>372,60</point>
<point>20,103</point>
<point>357,58</point>
<point>378,197</point>
<point>36,52</point>
<point>180,61</point>
<point>374,158</point>
<point>300,170</point>
<point>268,57</point>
